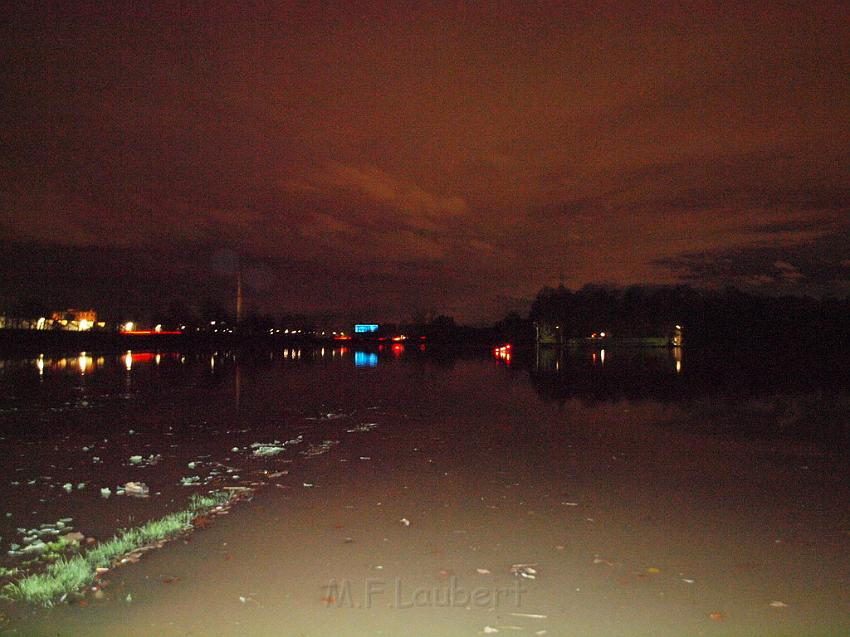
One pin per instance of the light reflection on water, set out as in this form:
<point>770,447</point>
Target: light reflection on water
<point>365,359</point>
<point>623,367</point>
<point>677,357</point>
<point>713,382</point>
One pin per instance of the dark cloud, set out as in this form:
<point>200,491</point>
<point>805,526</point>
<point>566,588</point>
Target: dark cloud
<point>817,267</point>
<point>451,157</point>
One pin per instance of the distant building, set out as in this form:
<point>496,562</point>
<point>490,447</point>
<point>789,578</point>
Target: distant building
<point>74,320</point>
<point>549,333</point>
<point>555,333</point>
<point>75,315</point>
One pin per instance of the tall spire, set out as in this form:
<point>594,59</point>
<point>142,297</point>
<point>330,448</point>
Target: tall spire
<point>239,292</point>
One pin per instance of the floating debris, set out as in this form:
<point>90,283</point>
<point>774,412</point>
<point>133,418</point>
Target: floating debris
<point>318,450</point>
<point>36,548</point>
<point>265,449</point>
<point>141,461</point>
<point>362,428</point>
<point>529,615</point>
<point>268,450</point>
<point>527,571</point>
<point>328,416</point>
<point>137,489</point>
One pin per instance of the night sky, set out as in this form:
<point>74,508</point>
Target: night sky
<point>374,159</point>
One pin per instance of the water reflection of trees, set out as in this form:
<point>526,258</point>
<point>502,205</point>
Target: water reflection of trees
<point>742,393</point>
<point>668,374</point>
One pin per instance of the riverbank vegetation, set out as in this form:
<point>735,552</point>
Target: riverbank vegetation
<point>68,576</point>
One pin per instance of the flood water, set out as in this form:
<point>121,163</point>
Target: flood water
<point>619,492</point>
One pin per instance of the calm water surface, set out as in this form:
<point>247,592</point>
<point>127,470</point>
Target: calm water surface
<point>651,492</point>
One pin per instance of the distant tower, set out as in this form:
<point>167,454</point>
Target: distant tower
<point>238,293</point>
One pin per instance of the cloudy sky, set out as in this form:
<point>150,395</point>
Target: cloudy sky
<point>386,159</point>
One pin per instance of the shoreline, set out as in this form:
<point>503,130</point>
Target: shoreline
<point>69,578</point>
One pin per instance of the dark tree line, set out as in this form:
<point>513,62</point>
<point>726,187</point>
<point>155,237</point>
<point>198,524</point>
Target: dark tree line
<point>707,316</point>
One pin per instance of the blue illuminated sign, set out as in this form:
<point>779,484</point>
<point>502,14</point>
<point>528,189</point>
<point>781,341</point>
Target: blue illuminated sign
<point>365,328</point>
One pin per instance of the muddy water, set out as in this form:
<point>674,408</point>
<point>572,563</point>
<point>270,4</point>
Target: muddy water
<point>651,494</point>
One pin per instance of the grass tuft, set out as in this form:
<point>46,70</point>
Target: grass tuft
<point>68,576</point>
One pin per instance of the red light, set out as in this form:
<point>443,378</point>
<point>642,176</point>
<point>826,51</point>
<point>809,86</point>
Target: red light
<point>150,332</point>
<point>398,348</point>
<point>503,353</point>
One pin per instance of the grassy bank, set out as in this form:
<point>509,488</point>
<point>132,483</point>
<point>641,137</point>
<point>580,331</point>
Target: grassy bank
<point>69,576</point>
